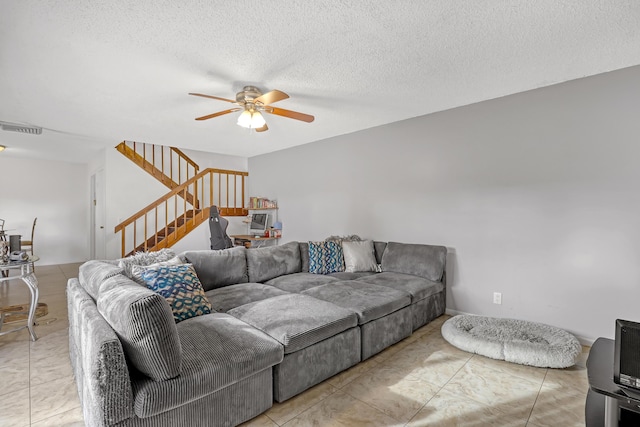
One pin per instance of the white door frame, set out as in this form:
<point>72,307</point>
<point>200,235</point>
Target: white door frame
<point>98,231</point>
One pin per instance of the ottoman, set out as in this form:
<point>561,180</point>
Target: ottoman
<point>427,297</point>
<point>384,315</point>
<point>320,339</point>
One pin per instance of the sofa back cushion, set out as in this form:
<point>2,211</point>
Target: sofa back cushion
<point>144,323</point>
<point>420,260</point>
<point>91,274</point>
<point>304,256</point>
<point>218,268</point>
<point>266,263</point>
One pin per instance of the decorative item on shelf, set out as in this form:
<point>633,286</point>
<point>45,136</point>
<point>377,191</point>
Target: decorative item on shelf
<point>262,203</point>
<point>276,230</point>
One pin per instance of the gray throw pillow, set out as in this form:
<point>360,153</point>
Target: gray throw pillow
<point>144,258</point>
<point>359,256</point>
<point>137,270</point>
<point>93,273</point>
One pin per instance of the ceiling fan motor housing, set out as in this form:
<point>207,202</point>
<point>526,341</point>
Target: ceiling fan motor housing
<point>248,94</point>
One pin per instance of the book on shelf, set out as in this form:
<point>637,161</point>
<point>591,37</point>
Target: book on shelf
<point>262,203</point>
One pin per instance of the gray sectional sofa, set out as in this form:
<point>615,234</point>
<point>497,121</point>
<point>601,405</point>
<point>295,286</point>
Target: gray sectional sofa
<point>275,330</point>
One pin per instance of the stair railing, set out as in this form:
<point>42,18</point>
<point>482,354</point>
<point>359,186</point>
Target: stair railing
<point>169,165</point>
<point>168,219</point>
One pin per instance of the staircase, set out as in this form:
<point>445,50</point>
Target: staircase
<point>171,217</point>
<point>168,165</point>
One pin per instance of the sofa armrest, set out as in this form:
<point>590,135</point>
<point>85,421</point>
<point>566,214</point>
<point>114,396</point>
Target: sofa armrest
<point>98,362</point>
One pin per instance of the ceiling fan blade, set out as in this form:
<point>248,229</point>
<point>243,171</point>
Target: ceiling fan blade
<point>219,113</point>
<point>212,97</point>
<point>262,129</point>
<point>271,97</point>
<point>290,114</point>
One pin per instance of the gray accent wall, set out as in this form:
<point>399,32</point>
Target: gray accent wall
<point>536,195</point>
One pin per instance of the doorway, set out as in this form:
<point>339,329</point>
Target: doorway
<point>98,232</point>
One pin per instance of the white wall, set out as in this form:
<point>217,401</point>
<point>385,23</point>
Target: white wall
<point>536,195</point>
<point>55,192</point>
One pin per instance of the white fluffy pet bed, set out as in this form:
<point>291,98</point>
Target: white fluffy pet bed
<point>517,341</point>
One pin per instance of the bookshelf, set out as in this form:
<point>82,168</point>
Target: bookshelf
<point>260,205</point>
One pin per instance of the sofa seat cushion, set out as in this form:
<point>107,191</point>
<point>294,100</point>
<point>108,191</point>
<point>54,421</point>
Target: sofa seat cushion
<point>217,350</point>
<point>228,297</point>
<point>418,287</point>
<point>296,321</point>
<point>217,268</point>
<point>369,301</point>
<point>298,282</point>
<point>345,275</point>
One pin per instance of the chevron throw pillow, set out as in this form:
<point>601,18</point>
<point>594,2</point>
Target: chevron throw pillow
<point>325,257</point>
<point>180,286</point>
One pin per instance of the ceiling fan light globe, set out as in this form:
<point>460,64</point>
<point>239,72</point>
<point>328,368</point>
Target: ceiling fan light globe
<point>257,121</point>
<point>244,119</point>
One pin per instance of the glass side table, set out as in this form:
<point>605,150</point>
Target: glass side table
<point>28,276</point>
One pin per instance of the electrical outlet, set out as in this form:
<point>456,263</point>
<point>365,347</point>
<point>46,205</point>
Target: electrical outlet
<point>497,298</point>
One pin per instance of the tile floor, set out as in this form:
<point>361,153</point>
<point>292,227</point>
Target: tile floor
<point>421,381</point>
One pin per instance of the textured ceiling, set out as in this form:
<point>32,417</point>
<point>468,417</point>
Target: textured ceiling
<point>93,73</point>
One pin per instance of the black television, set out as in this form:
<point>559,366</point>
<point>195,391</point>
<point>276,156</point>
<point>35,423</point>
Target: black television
<point>626,359</point>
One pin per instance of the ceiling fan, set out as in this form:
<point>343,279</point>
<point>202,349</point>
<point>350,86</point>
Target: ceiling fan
<point>254,103</point>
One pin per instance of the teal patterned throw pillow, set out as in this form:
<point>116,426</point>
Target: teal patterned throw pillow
<point>180,286</point>
<point>325,257</point>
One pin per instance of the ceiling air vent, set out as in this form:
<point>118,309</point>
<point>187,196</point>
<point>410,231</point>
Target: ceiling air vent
<point>14,127</point>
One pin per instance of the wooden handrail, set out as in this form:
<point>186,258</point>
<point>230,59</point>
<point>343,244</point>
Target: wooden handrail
<point>180,218</point>
<point>186,158</point>
<point>156,166</point>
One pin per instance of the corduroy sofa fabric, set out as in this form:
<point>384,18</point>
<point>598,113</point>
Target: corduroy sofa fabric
<point>298,282</point>
<point>421,260</point>
<point>144,323</point>
<point>270,338</point>
<point>98,362</point>
<point>218,350</point>
<point>218,268</point>
<point>296,321</point>
<point>228,297</point>
<point>418,287</point>
<point>368,301</point>
<point>266,263</point>
<point>93,273</point>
